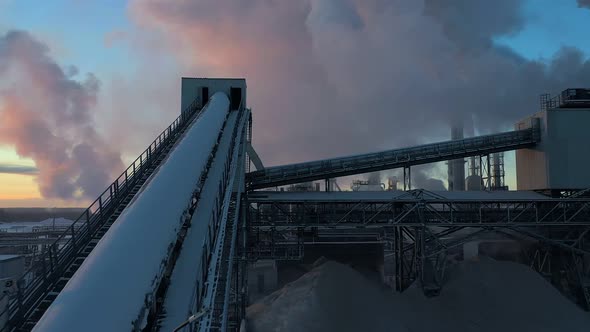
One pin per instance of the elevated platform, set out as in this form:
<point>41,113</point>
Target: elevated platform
<point>419,231</point>
<point>293,210</point>
<point>390,159</point>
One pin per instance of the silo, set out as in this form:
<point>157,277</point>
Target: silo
<point>456,168</point>
<point>474,180</point>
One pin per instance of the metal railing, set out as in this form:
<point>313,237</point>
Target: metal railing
<point>567,98</point>
<point>152,309</point>
<point>53,261</point>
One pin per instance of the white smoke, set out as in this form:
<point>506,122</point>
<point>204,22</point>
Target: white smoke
<point>330,78</point>
<point>46,114</point>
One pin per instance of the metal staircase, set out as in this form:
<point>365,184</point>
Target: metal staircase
<point>49,274</point>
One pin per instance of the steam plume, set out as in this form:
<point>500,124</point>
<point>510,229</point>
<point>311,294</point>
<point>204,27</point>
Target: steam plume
<point>372,73</point>
<point>332,77</point>
<point>47,115</point>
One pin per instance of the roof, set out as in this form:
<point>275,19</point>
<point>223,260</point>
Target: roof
<point>215,78</point>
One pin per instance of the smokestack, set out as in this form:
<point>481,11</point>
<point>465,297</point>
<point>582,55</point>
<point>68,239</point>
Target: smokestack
<point>392,183</point>
<point>456,170</point>
<point>497,170</point>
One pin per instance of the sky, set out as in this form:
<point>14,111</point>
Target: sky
<point>325,78</point>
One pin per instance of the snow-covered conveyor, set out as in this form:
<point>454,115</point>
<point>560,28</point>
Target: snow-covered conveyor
<point>124,281</point>
<point>142,273</point>
<point>54,267</point>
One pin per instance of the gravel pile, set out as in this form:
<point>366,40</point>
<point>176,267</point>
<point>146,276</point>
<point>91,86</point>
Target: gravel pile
<point>481,295</point>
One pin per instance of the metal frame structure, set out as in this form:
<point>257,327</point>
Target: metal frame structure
<point>419,229</point>
<point>220,293</point>
<point>569,98</point>
<point>221,272</point>
<point>397,158</point>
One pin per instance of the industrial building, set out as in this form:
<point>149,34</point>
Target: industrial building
<point>557,163</point>
<point>196,225</point>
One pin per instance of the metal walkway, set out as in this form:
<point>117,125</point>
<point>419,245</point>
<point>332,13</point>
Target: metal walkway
<point>51,271</point>
<point>397,158</point>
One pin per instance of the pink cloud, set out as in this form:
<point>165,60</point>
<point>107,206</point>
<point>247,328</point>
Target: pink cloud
<point>334,77</point>
<point>48,116</point>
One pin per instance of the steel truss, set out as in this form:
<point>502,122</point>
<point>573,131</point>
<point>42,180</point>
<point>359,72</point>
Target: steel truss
<point>419,230</point>
<point>397,158</point>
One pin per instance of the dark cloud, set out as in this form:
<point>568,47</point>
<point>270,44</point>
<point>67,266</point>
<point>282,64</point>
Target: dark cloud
<point>48,116</point>
<point>340,13</point>
<point>329,78</point>
<point>473,24</point>
<point>18,169</point>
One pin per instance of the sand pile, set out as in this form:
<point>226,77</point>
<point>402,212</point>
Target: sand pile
<point>484,295</point>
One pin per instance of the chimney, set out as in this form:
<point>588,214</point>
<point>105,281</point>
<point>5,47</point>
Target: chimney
<point>456,168</point>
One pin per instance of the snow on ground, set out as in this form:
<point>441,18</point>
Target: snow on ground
<point>483,295</point>
<point>26,226</point>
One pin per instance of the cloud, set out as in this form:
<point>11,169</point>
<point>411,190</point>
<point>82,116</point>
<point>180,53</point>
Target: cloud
<point>115,36</point>
<point>584,3</point>
<point>473,24</point>
<point>47,115</point>
<point>18,169</point>
<point>329,78</point>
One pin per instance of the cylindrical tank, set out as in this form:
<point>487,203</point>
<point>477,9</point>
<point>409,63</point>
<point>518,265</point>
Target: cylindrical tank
<point>109,290</point>
<point>474,182</point>
<point>456,167</point>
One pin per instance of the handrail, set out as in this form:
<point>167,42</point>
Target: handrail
<point>88,222</point>
<point>566,97</point>
<point>152,308</point>
<point>217,222</point>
